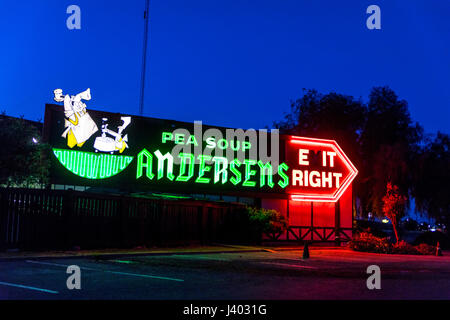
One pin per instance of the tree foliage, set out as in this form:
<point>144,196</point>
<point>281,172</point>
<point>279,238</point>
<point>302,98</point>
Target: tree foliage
<point>388,144</point>
<point>431,189</point>
<point>327,115</point>
<point>23,157</point>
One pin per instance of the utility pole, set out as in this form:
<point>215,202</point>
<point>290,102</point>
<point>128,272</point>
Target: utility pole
<point>144,58</point>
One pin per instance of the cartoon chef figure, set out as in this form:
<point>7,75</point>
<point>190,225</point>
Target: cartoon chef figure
<point>79,125</point>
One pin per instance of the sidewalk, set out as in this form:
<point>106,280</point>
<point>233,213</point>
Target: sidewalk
<point>113,253</point>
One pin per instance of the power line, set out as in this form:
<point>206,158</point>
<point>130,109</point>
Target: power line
<point>144,58</point>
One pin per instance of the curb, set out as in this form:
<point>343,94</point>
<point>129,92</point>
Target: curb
<point>107,256</point>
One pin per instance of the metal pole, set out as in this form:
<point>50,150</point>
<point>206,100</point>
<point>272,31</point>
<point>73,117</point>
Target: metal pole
<point>337,223</point>
<point>144,58</point>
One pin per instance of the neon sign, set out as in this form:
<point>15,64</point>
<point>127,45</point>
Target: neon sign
<point>210,170</point>
<point>92,165</point>
<point>322,171</point>
<point>166,156</point>
<point>79,127</point>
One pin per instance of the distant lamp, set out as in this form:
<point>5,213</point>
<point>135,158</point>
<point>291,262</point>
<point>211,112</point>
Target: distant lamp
<point>35,141</point>
<point>385,220</point>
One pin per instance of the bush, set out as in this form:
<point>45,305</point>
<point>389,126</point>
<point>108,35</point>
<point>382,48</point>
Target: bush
<point>266,221</point>
<point>367,242</point>
<point>403,247</point>
<point>432,238</point>
<point>426,249</point>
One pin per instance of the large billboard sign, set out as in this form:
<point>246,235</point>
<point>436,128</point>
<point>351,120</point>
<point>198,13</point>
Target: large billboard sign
<point>133,153</point>
<point>320,169</point>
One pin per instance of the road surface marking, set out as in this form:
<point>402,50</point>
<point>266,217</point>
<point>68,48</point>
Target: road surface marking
<point>57,265</point>
<point>107,271</point>
<point>289,265</point>
<point>296,260</point>
<point>143,275</point>
<point>27,287</point>
<point>198,257</point>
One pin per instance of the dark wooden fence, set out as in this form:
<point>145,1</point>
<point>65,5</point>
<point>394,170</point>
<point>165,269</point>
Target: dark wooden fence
<point>55,219</point>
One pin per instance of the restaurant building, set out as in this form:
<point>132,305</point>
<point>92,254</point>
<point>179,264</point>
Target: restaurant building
<point>307,180</point>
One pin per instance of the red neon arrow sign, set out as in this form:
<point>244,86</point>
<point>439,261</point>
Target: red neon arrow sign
<point>311,159</point>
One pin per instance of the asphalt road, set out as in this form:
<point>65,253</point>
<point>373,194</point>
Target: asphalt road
<point>328,274</point>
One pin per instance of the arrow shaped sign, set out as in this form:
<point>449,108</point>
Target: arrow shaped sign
<point>319,169</point>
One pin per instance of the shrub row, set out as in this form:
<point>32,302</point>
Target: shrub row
<point>367,242</point>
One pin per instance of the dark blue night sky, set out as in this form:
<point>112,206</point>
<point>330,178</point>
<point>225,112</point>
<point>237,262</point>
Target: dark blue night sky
<point>231,63</point>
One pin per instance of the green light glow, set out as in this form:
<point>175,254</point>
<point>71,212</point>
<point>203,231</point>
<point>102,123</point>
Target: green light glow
<point>124,261</point>
<point>169,196</point>
<point>238,177</point>
<point>184,157</point>
<point>92,165</point>
<point>281,168</point>
<point>218,171</point>
<point>202,169</point>
<point>192,140</point>
<point>266,170</point>
<point>161,160</point>
<point>166,136</point>
<point>147,164</point>
<point>234,145</point>
<point>248,173</point>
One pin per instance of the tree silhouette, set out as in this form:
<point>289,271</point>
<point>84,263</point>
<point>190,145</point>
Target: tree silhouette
<point>389,142</point>
<point>23,157</point>
<point>431,189</point>
<point>328,116</point>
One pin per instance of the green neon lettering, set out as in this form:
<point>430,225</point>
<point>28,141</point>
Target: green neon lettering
<point>161,161</point>
<point>144,163</point>
<point>234,145</point>
<point>179,138</point>
<point>283,175</point>
<point>167,136</point>
<point>222,144</point>
<point>249,173</point>
<point>192,140</point>
<point>184,157</point>
<point>246,145</point>
<point>210,142</point>
<point>203,169</point>
<point>218,170</point>
<point>262,178</point>
<point>238,177</point>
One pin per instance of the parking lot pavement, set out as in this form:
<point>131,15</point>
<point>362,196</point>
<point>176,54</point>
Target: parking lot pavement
<point>328,274</point>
